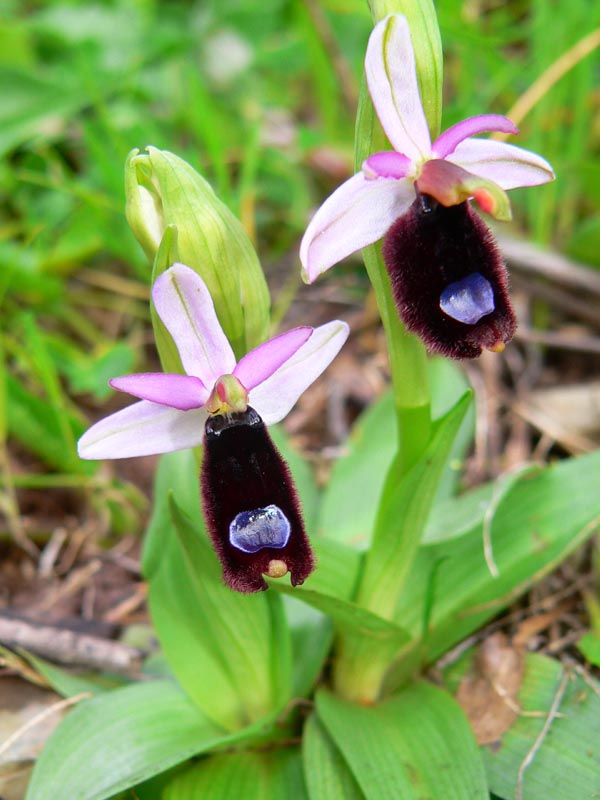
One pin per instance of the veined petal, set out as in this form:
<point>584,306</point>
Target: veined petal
<point>388,164</point>
<point>143,429</point>
<point>176,391</point>
<point>260,363</point>
<point>484,123</point>
<point>392,79</point>
<point>358,213</point>
<point>274,397</point>
<point>185,306</point>
<point>505,164</point>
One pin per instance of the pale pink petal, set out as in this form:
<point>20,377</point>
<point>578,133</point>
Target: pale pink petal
<point>358,213</point>
<point>177,391</point>
<point>185,306</point>
<point>143,429</point>
<point>392,80</point>
<point>505,164</point>
<point>388,164</point>
<point>274,398</point>
<point>484,123</point>
<point>260,363</point>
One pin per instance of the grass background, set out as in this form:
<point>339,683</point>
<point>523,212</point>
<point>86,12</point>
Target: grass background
<point>260,98</point>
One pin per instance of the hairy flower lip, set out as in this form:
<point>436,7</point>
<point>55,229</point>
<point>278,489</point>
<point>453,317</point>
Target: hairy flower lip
<point>364,207</point>
<point>432,252</point>
<point>243,475</point>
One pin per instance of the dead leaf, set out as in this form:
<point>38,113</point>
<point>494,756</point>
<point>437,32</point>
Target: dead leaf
<point>21,702</point>
<point>488,695</point>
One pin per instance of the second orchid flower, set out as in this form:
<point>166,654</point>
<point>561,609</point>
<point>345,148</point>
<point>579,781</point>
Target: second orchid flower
<point>250,504</point>
<point>448,278</point>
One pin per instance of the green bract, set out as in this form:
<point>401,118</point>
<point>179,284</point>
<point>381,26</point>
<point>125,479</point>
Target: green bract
<point>163,190</point>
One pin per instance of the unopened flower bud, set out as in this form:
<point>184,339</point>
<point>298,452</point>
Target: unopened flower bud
<point>163,190</point>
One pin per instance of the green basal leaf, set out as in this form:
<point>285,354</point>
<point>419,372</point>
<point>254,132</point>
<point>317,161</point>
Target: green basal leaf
<point>461,515</point>
<point>312,635</point>
<point>347,616</point>
<point>416,744</point>
<point>589,644</point>
<point>327,775</point>
<point>542,519</point>
<point>329,588</point>
<point>276,775</point>
<point>69,684</point>
<point>121,738</point>
<point>351,618</point>
<point>565,765</point>
<point>191,651</point>
<point>338,569</point>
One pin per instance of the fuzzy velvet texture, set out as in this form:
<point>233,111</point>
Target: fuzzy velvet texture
<point>242,470</point>
<point>427,249</point>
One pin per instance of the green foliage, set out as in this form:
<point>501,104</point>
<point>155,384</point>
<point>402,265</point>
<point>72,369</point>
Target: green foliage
<point>120,738</point>
<point>253,102</point>
<point>352,495</point>
<point>566,761</point>
<point>276,775</point>
<point>416,744</point>
<point>327,774</point>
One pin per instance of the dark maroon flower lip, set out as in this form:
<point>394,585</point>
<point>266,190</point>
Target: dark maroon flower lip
<point>449,280</point>
<point>251,505</point>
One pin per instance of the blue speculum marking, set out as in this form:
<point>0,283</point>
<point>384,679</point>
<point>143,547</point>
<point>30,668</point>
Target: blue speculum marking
<point>469,299</point>
<point>251,531</point>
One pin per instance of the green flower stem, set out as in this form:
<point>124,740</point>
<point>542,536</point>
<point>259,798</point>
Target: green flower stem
<point>360,668</point>
<point>408,367</point>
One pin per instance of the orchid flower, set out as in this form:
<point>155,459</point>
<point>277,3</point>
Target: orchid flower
<point>249,500</point>
<point>448,278</point>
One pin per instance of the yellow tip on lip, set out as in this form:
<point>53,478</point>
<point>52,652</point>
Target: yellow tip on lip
<point>499,347</point>
<point>276,568</point>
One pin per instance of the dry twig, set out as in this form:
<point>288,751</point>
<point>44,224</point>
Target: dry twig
<point>69,647</point>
